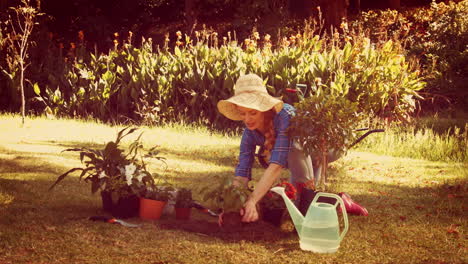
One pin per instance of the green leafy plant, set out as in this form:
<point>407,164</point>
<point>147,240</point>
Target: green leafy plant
<point>183,198</point>
<point>186,81</point>
<point>112,170</point>
<point>157,192</point>
<point>226,195</point>
<point>325,123</point>
<point>435,35</point>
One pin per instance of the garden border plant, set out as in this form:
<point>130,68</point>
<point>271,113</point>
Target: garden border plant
<point>183,203</point>
<point>186,81</point>
<point>120,177</point>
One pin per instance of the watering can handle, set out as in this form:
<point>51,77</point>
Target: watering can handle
<point>343,209</point>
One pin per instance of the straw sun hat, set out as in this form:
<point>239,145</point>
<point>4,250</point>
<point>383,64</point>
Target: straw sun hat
<point>249,92</point>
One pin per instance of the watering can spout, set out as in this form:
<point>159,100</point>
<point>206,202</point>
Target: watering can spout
<point>296,215</point>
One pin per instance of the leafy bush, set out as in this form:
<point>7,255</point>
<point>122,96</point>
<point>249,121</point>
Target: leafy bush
<point>325,123</point>
<point>112,170</point>
<point>154,86</point>
<point>158,192</point>
<point>437,37</point>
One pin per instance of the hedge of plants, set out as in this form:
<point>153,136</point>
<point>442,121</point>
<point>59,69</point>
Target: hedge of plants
<point>187,81</point>
<point>370,63</point>
<point>437,36</point>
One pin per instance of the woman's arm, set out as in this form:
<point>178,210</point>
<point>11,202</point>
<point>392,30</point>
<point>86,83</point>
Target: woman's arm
<point>271,174</point>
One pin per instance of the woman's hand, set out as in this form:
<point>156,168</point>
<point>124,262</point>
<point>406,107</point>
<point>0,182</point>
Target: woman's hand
<point>220,219</point>
<point>249,213</point>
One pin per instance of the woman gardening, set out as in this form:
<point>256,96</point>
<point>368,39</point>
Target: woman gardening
<point>267,119</point>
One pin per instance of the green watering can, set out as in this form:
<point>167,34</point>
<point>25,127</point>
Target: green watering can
<point>319,230</point>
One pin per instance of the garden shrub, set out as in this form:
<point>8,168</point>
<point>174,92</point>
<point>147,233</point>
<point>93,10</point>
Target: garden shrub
<point>187,81</point>
<point>437,37</point>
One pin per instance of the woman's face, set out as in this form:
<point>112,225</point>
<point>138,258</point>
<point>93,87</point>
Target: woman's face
<point>253,119</point>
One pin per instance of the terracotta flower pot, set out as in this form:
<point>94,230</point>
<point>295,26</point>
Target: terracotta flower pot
<point>151,209</point>
<point>183,213</point>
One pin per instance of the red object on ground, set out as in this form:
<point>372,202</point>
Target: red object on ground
<point>151,209</point>
<point>352,207</point>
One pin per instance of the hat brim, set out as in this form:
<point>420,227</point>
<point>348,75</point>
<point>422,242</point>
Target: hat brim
<point>260,102</point>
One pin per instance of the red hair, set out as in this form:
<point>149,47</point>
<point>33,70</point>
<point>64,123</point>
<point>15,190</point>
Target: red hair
<point>270,137</point>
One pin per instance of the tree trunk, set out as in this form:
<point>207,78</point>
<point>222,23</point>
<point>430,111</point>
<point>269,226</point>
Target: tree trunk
<point>23,101</point>
<point>324,168</point>
<point>297,8</point>
<point>333,11</point>
<point>355,6</point>
<point>3,5</point>
<point>190,15</point>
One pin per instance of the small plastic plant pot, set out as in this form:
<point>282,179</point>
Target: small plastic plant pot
<point>151,209</point>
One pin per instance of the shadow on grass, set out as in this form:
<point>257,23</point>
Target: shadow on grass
<point>200,155</point>
<point>437,202</point>
<point>74,144</point>
<point>24,163</point>
<point>440,204</point>
<point>218,156</point>
<point>259,231</point>
<point>23,201</point>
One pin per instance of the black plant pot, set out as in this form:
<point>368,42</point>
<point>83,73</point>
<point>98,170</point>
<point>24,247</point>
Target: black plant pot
<point>124,207</point>
<point>273,216</point>
<point>307,196</point>
<point>107,203</point>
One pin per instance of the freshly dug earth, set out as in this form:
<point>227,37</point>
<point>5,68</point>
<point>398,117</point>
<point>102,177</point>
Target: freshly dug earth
<point>256,231</point>
<point>231,221</point>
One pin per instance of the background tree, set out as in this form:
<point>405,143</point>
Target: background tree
<point>19,27</point>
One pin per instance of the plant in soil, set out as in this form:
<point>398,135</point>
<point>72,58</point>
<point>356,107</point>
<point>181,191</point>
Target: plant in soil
<point>229,198</point>
<point>272,205</point>
<point>183,203</point>
<point>113,170</point>
<point>183,198</point>
<point>158,192</point>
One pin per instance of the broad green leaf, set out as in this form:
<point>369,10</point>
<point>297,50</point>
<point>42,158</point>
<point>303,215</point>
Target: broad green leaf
<point>177,52</point>
<point>37,91</point>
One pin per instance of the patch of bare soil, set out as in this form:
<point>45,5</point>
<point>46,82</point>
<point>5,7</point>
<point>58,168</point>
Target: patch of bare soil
<point>257,231</point>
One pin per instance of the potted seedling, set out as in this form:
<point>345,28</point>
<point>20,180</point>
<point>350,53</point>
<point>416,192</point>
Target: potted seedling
<point>229,198</point>
<point>183,204</point>
<point>153,200</point>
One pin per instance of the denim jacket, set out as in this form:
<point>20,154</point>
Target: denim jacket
<point>252,138</point>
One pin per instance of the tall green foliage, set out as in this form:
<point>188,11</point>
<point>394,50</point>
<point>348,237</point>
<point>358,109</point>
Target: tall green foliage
<point>436,35</point>
<point>188,80</point>
<point>352,83</point>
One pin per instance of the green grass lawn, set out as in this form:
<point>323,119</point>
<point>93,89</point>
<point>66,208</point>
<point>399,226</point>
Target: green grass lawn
<point>418,210</point>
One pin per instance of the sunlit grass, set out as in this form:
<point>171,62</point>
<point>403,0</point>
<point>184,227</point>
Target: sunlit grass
<point>423,141</point>
<point>417,208</point>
